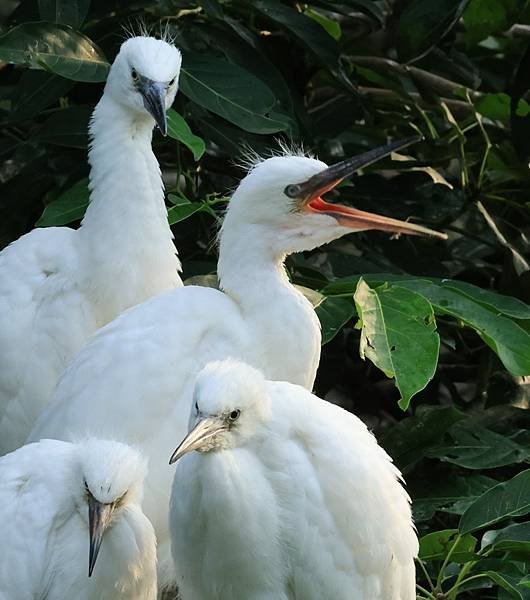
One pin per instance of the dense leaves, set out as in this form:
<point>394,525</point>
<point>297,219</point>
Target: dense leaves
<point>57,48</point>
<point>444,327</point>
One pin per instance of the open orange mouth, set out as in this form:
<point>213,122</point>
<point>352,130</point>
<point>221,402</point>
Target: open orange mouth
<point>309,194</point>
<point>361,220</point>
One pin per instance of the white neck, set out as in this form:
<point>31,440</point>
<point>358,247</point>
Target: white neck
<point>129,255</point>
<point>284,327</point>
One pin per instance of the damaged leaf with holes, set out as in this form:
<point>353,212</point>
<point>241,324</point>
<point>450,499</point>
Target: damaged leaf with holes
<point>398,334</point>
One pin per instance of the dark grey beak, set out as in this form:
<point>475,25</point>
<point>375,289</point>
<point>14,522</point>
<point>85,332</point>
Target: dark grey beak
<point>332,176</point>
<point>154,95</point>
<point>98,519</point>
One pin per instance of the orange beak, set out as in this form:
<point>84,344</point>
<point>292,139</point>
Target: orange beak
<point>309,193</point>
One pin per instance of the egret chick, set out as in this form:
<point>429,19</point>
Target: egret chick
<point>288,497</point>
<point>57,285</point>
<point>59,503</point>
<point>144,363</point>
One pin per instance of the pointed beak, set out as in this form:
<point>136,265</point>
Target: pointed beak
<point>154,95</point>
<point>99,515</point>
<point>198,437</point>
<point>309,192</point>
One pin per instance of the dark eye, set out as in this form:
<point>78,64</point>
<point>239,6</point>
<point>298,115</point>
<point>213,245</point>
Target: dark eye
<point>134,74</point>
<point>172,81</point>
<point>196,407</point>
<point>292,191</point>
<point>86,487</point>
<point>234,415</point>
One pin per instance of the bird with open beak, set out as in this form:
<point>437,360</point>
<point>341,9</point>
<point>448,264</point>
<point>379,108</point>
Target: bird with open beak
<point>151,354</point>
<point>309,193</point>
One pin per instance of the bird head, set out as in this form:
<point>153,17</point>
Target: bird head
<point>144,77</point>
<point>112,477</point>
<point>230,404</point>
<point>283,195</point>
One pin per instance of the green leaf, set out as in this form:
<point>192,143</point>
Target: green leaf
<point>369,7</point>
<point>331,26</point>
<point>56,48</point>
<point>67,127</point>
<point>436,545</point>
<point>333,314</point>
<point>503,501</point>
<point>408,441</point>
<point>507,305</point>
<point>67,12</point>
<point>474,447</point>
<point>182,209</point>
<point>398,335</point>
<point>178,129</point>
<point>485,17</point>
<point>507,339</point>
<point>514,539</point>
<point>498,106</point>
<point>36,90</point>
<point>68,207</point>
<point>230,92</point>
<point>507,583</point>
<point>448,494</point>
<point>423,24</point>
<point>310,33</point>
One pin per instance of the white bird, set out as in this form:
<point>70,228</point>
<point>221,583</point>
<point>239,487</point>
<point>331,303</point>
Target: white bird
<point>59,502</point>
<point>134,380</point>
<point>58,285</point>
<point>288,497</point>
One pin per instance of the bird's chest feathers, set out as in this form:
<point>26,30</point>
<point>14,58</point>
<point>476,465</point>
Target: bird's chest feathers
<point>287,338</point>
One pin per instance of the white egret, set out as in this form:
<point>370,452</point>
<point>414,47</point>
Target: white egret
<point>59,503</point>
<point>288,497</point>
<point>57,285</point>
<point>134,379</point>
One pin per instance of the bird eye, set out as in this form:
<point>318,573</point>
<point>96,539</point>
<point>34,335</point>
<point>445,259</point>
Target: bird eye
<point>292,191</point>
<point>86,487</point>
<point>234,415</point>
<point>134,74</point>
<point>172,81</point>
<point>196,407</point>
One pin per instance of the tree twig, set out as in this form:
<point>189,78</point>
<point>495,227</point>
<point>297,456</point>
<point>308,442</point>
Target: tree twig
<point>437,83</point>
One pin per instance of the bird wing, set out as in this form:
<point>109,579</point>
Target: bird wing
<point>32,502</point>
<point>350,506</point>
<point>43,322</point>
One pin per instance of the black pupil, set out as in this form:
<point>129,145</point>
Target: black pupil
<point>134,74</point>
<point>291,191</point>
<point>172,81</point>
<point>234,415</point>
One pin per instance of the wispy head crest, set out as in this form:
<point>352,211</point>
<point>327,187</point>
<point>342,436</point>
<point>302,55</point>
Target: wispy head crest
<point>249,158</point>
<point>138,27</point>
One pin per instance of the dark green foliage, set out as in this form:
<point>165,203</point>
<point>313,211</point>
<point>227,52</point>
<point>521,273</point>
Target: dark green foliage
<point>449,321</point>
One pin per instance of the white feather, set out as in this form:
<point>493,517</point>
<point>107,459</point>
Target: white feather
<point>134,380</point>
<point>295,502</point>
<point>57,285</point>
<point>44,523</point>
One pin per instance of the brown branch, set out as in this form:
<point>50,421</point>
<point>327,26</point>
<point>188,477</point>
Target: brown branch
<point>442,85</point>
<point>518,30</point>
<point>459,108</point>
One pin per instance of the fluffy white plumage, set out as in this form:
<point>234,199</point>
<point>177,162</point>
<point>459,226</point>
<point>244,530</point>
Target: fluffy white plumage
<point>57,285</point>
<point>290,500</point>
<point>134,380</point>
<point>44,520</point>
